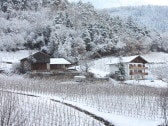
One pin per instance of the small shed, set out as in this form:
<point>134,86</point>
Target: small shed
<point>59,64</point>
<point>37,61</point>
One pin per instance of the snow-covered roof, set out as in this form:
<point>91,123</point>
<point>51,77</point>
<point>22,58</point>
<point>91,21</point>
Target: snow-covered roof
<point>117,60</point>
<point>59,61</point>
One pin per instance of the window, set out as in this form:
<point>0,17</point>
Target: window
<point>139,71</point>
<point>139,65</point>
<point>135,71</point>
<point>131,72</point>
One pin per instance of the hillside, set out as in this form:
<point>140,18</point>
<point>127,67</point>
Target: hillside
<point>155,17</point>
<point>157,65</point>
<point>72,30</point>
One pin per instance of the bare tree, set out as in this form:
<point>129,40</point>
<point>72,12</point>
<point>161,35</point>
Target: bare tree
<point>85,65</point>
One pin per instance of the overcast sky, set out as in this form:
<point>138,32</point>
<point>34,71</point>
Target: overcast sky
<point>116,3</point>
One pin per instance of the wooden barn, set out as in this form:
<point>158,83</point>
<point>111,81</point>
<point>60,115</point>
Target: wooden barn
<point>59,64</point>
<point>37,61</point>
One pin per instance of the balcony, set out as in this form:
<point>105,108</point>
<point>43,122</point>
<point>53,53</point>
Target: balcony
<point>138,73</point>
<point>137,67</point>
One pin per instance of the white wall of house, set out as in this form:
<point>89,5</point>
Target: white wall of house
<point>114,67</point>
<point>126,66</point>
<point>48,66</point>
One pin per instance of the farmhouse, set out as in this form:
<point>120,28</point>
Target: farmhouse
<point>132,67</point>
<point>59,64</point>
<point>42,62</point>
<point>37,61</point>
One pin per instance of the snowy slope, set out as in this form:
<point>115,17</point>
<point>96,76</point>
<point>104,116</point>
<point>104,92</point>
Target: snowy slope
<point>14,56</point>
<point>156,57</point>
<point>9,58</point>
<point>154,83</point>
<point>100,67</point>
<point>154,17</point>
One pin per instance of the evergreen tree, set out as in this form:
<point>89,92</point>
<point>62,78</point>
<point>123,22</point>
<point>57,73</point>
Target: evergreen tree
<point>87,40</point>
<point>121,72</point>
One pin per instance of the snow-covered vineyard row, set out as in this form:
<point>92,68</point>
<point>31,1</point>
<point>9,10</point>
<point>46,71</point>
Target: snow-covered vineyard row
<point>132,101</point>
<point>22,110</point>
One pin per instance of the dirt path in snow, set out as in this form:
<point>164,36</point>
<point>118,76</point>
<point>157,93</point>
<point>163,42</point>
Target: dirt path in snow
<point>105,122</point>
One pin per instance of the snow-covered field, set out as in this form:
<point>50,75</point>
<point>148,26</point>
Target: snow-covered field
<point>9,58</point>
<point>121,105</point>
<point>156,57</point>
<point>150,83</point>
<point>14,56</point>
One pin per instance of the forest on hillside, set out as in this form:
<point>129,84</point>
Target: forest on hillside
<point>153,16</point>
<point>72,30</point>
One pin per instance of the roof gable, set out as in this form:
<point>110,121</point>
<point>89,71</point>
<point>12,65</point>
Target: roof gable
<point>41,57</point>
<point>38,57</point>
<point>40,54</point>
<point>128,59</point>
<point>138,59</point>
